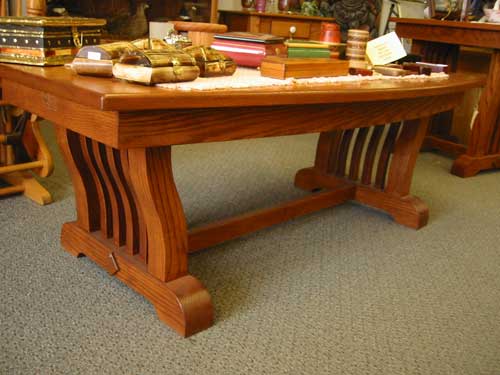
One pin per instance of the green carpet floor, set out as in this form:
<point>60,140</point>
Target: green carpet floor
<point>342,291</point>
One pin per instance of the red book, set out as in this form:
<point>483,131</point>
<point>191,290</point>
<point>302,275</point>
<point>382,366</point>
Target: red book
<point>248,53</point>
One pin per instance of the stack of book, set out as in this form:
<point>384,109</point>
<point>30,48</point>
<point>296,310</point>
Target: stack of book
<point>312,49</point>
<point>249,49</point>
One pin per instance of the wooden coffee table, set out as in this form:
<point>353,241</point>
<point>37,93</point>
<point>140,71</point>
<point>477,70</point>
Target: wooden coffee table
<point>116,139</point>
<point>439,41</point>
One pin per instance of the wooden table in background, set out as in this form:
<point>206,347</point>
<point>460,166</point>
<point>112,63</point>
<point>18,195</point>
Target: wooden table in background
<point>439,41</point>
<point>116,139</point>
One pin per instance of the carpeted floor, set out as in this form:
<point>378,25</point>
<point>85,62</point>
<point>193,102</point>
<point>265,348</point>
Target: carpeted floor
<point>343,291</point>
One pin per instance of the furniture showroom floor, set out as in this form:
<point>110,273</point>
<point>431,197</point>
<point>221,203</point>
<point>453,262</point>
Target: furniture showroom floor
<point>341,291</point>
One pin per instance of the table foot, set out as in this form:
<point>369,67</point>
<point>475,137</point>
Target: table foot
<point>183,303</point>
<point>29,186</point>
<point>406,210</point>
<point>468,166</point>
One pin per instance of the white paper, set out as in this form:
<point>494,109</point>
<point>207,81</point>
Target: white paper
<point>94,55</point>
<point>385,49</point>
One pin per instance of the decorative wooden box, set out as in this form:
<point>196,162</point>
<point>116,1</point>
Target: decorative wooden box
<point>248,49</point>
<point>46,40</point>
<point>283,67</point>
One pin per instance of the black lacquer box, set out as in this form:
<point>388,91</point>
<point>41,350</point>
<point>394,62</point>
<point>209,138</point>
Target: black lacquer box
<point>46,40</point>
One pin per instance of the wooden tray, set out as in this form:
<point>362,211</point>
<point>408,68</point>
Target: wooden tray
<point>284,67</point>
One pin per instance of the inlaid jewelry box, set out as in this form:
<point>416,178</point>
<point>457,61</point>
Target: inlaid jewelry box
<point>46,40</point>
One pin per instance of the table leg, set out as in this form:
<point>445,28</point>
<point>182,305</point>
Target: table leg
<point>483,151</point>
<point>131,222</point>
<point>380,166</point>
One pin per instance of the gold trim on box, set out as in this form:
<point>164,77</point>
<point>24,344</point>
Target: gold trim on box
<point>46,54</point>
<point>53,21</point>
<point>37,48</point>
<point>41,50</point>
<point>52,34</point>
<point>39,61</point>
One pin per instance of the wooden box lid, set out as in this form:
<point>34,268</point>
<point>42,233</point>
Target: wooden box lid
<point>52,21</point>
<point>285,67</point>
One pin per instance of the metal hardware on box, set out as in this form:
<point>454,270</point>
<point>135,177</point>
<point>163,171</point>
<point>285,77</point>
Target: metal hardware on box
<point>77,37</point>
<point>176,66</point>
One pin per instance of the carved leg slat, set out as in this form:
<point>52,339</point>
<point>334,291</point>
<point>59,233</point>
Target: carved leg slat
<point>106,217</point>
<point>371,152</point>
<point>113,193</point>
<point>87,207</point>
<point>326,160</point>
<point>130,220</point>
<point>342,155</point>
<point>405,156</point>
<point>327,151</point>
<point>356,153</point>
<point>385,154</point>
<point>141,223</point>
<point>153,182</point>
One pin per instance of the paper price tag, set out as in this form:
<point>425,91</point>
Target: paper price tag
<point>94,55</point>
<point>385,49</point>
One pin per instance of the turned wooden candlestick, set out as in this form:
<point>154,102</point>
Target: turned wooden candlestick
<point>36,8</point>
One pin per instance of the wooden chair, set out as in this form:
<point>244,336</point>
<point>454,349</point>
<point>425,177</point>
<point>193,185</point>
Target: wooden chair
<point>33,146</point>
<point>14,172</point>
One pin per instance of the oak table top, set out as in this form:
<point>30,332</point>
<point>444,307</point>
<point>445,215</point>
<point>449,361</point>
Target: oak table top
<point>115,95</point>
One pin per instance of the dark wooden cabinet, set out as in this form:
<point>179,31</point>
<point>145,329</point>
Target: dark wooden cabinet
<point>307,27</point>
<point>196,10</point>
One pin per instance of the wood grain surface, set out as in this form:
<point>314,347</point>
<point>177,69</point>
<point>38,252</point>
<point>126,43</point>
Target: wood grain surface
<point>486,35</point>
<point>116,140</point>
<point>113,95</point>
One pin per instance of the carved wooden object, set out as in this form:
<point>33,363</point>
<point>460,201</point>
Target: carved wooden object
<point>116,139</point>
